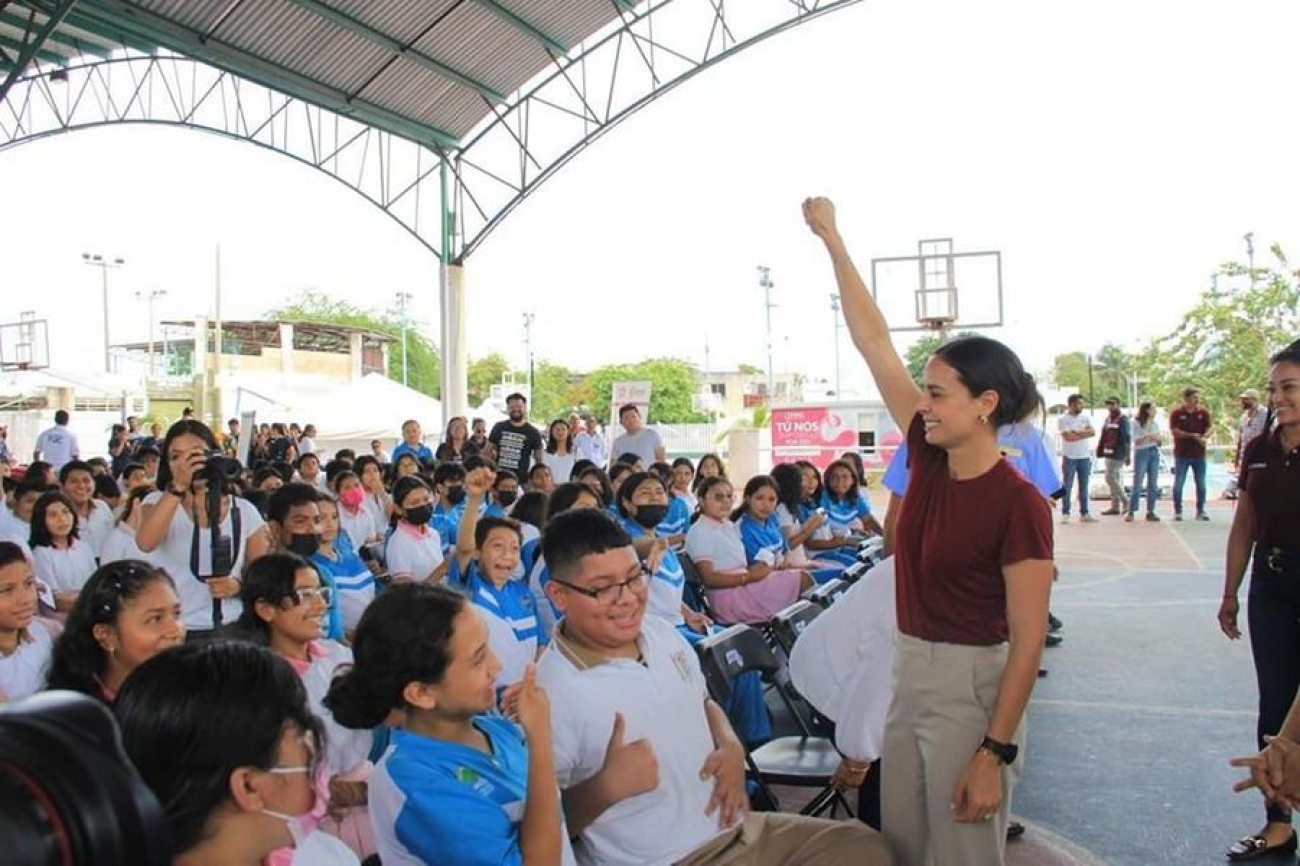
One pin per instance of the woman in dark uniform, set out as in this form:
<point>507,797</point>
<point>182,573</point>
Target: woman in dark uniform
<point>1268,521</point>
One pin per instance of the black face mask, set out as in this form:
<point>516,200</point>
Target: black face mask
<point>455,495</point>
<point>420,514</point>
<point>304,543</point>
<point>506,497</point>
<point>650,516</point>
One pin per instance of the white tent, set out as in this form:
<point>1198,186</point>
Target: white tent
<point>373,407</point>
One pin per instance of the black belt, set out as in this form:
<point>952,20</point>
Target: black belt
<point>1279,559</point>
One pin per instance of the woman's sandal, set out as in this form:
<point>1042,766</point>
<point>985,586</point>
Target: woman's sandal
<point>1254,847</point>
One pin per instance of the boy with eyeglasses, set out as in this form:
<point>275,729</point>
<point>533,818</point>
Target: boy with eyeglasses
<point>651,770</point>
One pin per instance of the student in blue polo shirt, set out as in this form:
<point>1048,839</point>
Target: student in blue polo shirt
<point>760,531</point>
<point>678,519</point>
<point>458,784</point>
<point>847,510</point>
<point>412,443</point>
<point>487,554</point>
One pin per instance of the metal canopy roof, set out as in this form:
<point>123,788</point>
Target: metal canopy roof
<point>426,70</point>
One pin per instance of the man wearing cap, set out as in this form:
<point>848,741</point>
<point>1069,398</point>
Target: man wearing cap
<point>1253,419</point>
<point>1113,447</point>
<point>1190,425</point>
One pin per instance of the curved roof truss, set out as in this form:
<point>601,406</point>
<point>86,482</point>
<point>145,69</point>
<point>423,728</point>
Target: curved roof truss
<point>446,114</point>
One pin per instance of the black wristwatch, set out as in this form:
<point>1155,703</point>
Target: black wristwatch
<point>179,494</point>
<point>1004,752</point>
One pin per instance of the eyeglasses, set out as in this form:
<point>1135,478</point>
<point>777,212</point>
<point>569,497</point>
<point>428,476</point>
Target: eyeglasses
<point>306,594</point>
<point>611,594</point>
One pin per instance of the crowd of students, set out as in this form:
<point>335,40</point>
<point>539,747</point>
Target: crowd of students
<point>460,627</point>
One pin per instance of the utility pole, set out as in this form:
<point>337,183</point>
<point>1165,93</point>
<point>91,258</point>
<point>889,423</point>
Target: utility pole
<point>528,356</point>
<point>1249,238</point>
<point>95,260</point>
<point>149,297</point>
<point>835,310</point>
<point>765,283</point>
<point>403,298</point>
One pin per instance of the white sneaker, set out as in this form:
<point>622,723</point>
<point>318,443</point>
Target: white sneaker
<point>1087,518</point>
<point>1065,518</point>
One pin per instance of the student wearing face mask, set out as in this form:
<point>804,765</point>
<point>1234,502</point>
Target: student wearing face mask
<point>284,604</point>
<point>449,488</point>
<point>248,786</point>
<point>127,613</point>
<point>357,521</point>
<point>293,523</point>
<point>414,548</point>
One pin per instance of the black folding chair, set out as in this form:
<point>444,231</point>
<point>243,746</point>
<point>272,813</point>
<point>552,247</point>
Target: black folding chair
<point>826,594</point>
<point>788,623</point>
<point>694,593</point>
<point>854,572</point>
<point>800,761</point>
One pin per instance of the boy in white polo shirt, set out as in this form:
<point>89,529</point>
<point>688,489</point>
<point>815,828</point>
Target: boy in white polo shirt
<point>651,770</point>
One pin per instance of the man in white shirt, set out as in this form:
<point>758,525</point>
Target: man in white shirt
<point>307,442</point>
<point>590,443</point>
<point>639,439</point>
<point>651,770</point>
<point>57,445</point>
<point>1076,457</point>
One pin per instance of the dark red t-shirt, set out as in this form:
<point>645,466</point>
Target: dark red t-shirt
<point>1271,477</point>
<point>1191,421</point>
<point>953,539</point>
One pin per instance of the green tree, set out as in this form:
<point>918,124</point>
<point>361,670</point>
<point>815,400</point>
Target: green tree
<point>673,387</point>
<point>920,351</point>
<point>1112,368</point>
<point>483,373</point>
<point>1223,343</point>
<point>552,392</point>
<point>424,368</point>
<point>1070,371</point>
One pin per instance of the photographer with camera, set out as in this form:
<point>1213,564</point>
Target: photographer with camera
<point>195,529</point>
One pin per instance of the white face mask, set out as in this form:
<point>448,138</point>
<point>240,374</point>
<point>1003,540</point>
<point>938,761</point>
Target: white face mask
<point>311,845</point>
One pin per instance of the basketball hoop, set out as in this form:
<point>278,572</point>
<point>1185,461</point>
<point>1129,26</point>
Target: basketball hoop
<point>934,275</point>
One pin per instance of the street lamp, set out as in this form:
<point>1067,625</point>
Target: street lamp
<point>765,283</point>
<point>528,349</point>
<point>835,310</point>
<point>96,260</point>
<point>149,297</point>
<point>403,298</point>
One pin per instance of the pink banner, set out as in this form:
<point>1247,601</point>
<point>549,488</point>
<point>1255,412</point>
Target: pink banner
<point>814,428</point>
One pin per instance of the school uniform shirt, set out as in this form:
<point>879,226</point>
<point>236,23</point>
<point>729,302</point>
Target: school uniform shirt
<point>662,699</point>
<point>1021,444</point>
<point>378,510</point>
<point>687,497</point>
<point>96,528</point>
<point>433,802</point>
<point>22,672</point>
<point>678,519</point>
<point>58,446</point>
<point>413,552</point>
<point>15,529</point>
<point>666,584</point>
<point>65,569</point>
<point>120,545</point>
<point>547,613</point>
<point>174,552</point>
<point>360,526</point>
<point>790,525</point>
<point>561,465</point>
<point>528,551</point>
<point>306,445</point>
<point>346,750</point>
<point>764,542</point>
<point>510,612</point>
<point>843,662</point>
<point>446,522</point>
<point>846,517</point>
<point>717,542</point>
<point>352,578</point>
<point>421,452</point>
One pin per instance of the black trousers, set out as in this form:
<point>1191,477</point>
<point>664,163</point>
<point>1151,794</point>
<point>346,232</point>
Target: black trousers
<point>1273,617</point>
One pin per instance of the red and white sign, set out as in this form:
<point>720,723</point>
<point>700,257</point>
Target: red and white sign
<point>818,435</point>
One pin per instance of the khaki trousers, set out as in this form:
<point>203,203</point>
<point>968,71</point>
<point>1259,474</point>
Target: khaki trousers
<point>782,839</point>
<point>943,698</point>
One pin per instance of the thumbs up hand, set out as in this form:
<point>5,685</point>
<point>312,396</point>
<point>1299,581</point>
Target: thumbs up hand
<point>629,768</point>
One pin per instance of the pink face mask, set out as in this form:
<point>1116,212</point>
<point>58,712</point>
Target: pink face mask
<point>352,497</point>
<point>305,826</point>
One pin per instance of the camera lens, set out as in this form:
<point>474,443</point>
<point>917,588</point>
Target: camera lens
<point>68,794</point>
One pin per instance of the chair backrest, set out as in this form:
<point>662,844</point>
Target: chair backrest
<point>788,623</point>
<point>731,652</point>
<point>694,595</point>
<point>825,594</point>
<point>854,572</point>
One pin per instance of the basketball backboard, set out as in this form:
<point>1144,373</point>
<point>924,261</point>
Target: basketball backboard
<point>25,344</point>
<point>939,289</point>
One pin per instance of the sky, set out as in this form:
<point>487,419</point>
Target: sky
<point>1114,152</point>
